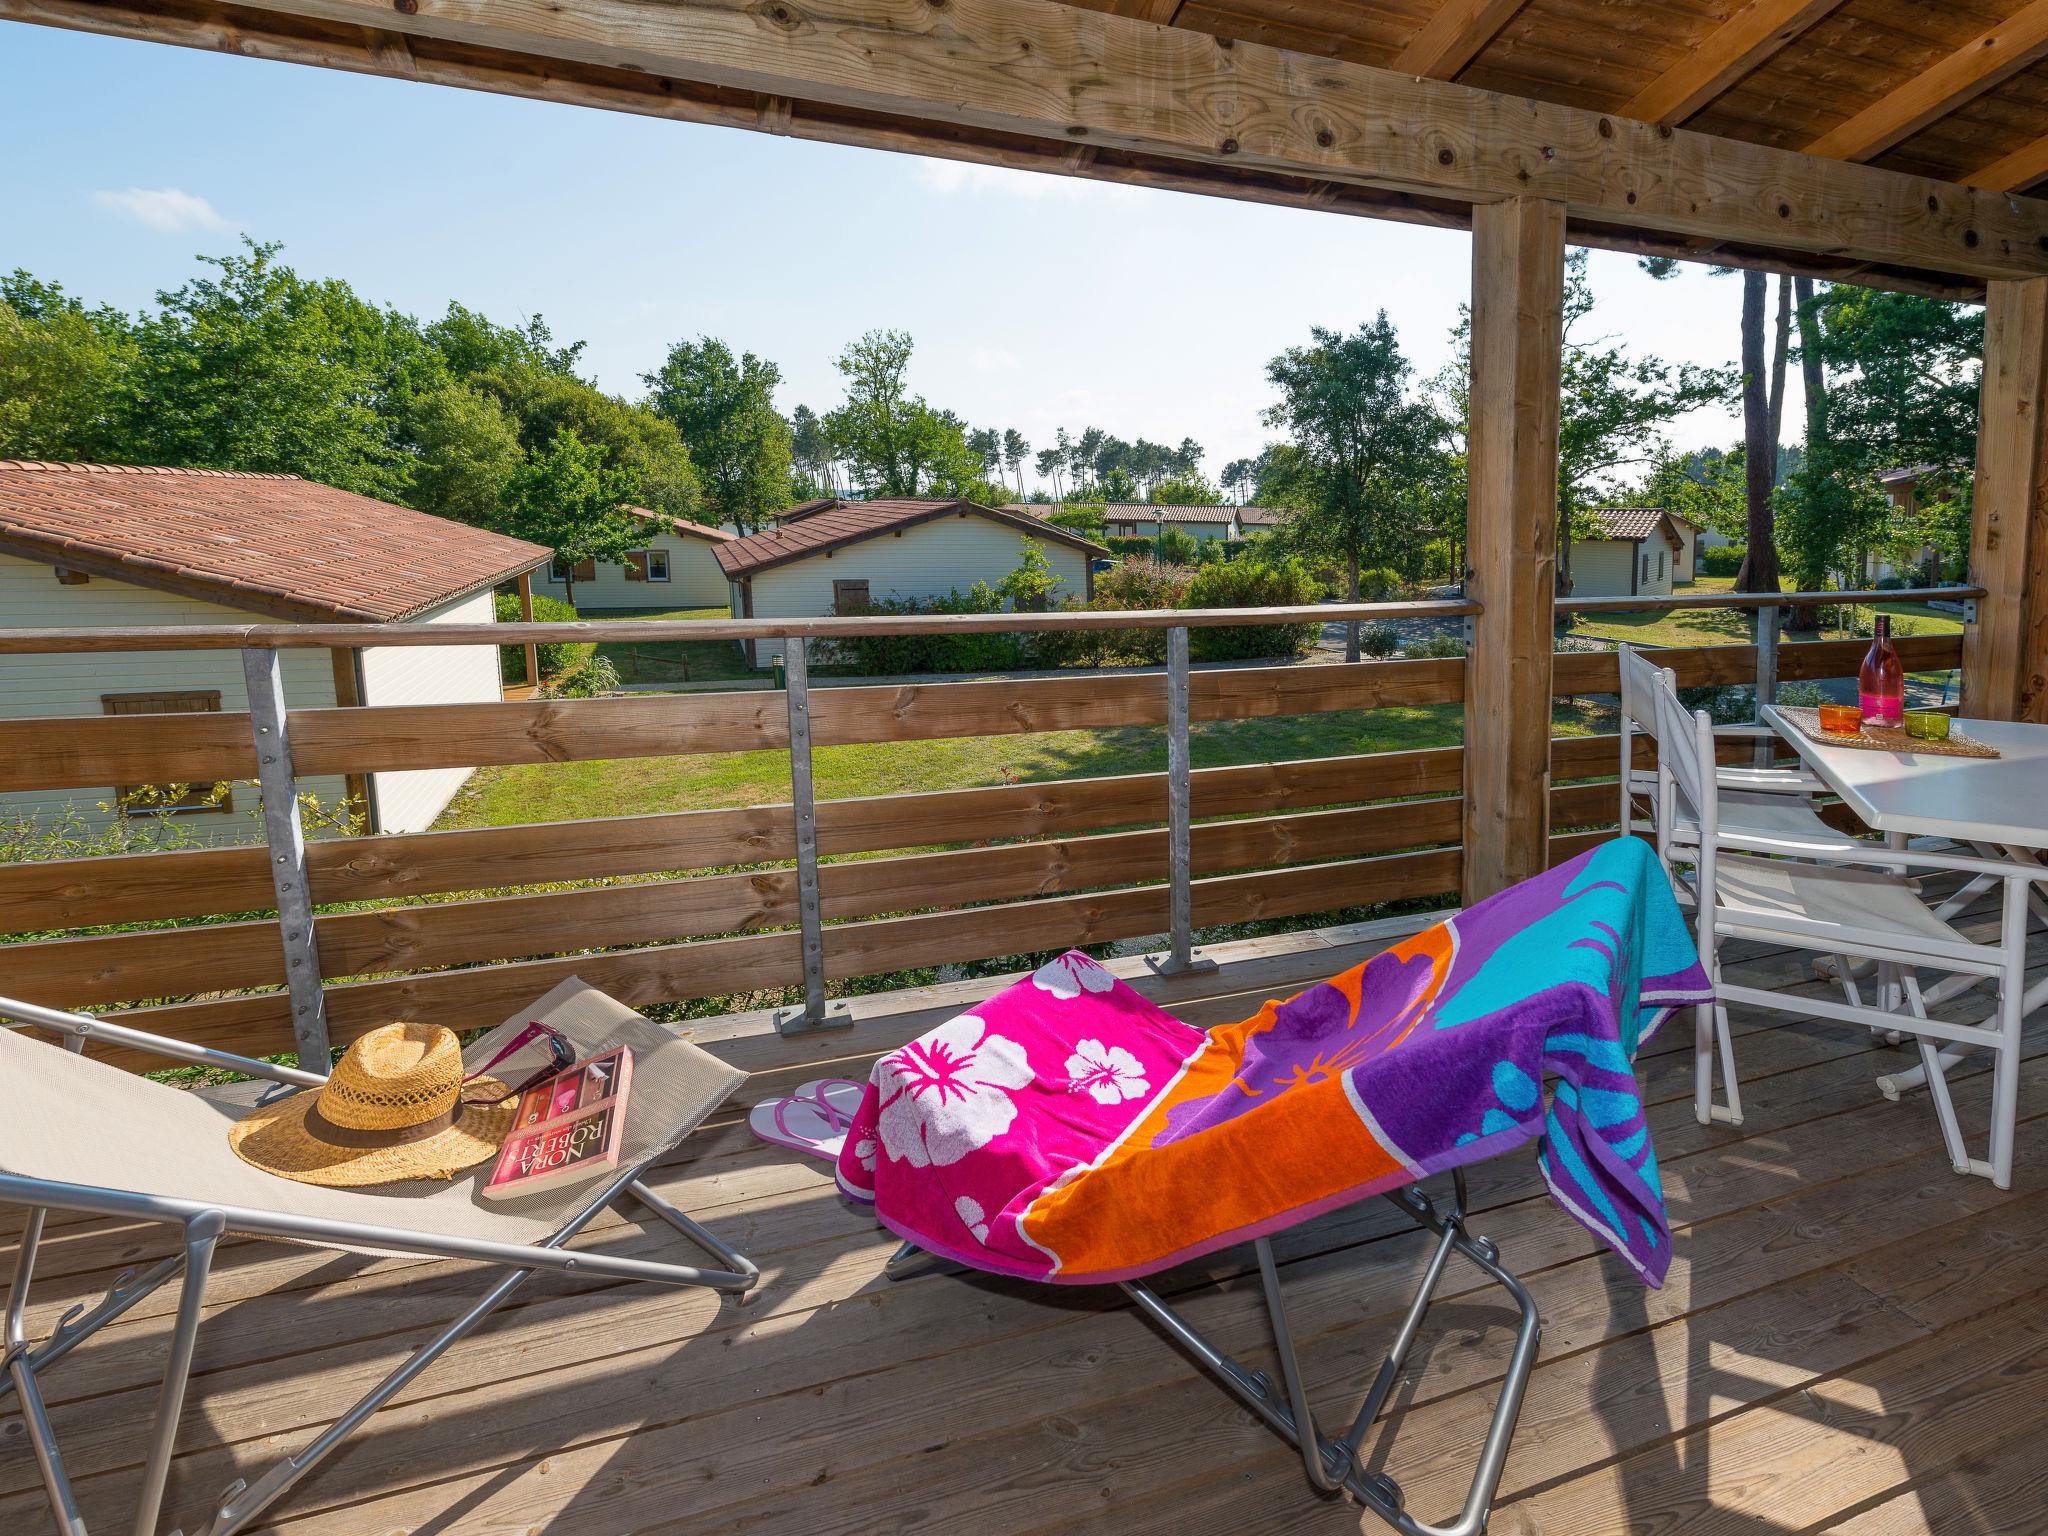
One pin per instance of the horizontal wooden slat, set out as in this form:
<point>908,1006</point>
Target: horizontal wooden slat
<point>100,751</point>
<point>1841,658</point>
<point>127,967</point>
<point>1726,665</point>
<point>73,893</point>
<point>1241,693</point>
<point>929,711</point>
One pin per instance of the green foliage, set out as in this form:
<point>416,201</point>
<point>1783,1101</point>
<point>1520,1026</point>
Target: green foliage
<point>1030,587</point>
<point>893,441</point>
<point>1088,521</point>
<point>1130,549</point>
<point>1705,487</point>
<point>1435,648</point>
<point>258,368</point>
<point>1251,584</point>
<point>724,409</point>
<point>555,656</point>
<point>1143,582</point>
<point>590,679</point>
<point>572,499</point>
<point>61,368</point>
<point>1190,490</point>
<point>1827,518</point>
<point>1175,546</point>
<point>1378,640</point>
<point>1903,377</point>
<point>468,450</point>
<point>1721,560</point>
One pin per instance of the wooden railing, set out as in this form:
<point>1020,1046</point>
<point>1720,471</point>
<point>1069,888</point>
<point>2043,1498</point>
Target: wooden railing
<point>746,906</point>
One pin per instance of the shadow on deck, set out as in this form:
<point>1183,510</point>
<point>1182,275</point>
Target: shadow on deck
<point>1851,1338</point>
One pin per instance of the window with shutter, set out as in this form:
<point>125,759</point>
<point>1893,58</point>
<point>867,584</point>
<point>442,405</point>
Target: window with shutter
<point>180,799</point>
<point>636,565</point>
<point>850,597</point>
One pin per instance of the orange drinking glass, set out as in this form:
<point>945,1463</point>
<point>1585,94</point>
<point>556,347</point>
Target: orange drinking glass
<point>1841,719</point>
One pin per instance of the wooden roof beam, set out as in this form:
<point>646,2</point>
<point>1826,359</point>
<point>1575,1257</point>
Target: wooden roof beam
<point>1023,83</point>
<point>2011,173</point>
<point>1741,43</point>
<point>1972,69</point>
<point>1452,37</point>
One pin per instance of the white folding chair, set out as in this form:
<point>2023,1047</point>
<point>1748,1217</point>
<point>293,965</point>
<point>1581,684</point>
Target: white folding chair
<point>81,1135</point>
<point>1771,802</point>
<point>1847,902</point>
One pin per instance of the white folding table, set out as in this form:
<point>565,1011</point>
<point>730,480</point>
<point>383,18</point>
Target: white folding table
<point>1999,806</point>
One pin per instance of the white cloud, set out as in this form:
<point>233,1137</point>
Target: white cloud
<point>166,209</point>
<point>993,359</point>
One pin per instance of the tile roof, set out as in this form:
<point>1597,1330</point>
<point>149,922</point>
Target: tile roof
<point>1146,512</point>
<point>685,527</point>
<point>1633,523</point>
<point>820,526</point>
<point>273,544</point>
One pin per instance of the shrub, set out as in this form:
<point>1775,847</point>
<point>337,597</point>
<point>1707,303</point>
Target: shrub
<point>1892,583</point>
<point>1435,648</point>
<point>1143,583</point>
<point>893,655</point>
<point>1724,560</point>
<point>1140,549</point>
<point>1251,584</point>
<point>1802,695</point>
<point>1176,546</point>
<point>556,657</point>
<point>1378,585</point>
<point>590,679</point>
<point>1378,640</point>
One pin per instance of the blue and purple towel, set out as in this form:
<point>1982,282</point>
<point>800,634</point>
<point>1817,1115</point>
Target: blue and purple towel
<point>1070,1131</point>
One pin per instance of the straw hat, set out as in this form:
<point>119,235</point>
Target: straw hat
<point>392,1110</point>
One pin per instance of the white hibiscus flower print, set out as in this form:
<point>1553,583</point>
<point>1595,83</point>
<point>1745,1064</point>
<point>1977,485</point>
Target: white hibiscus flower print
<point>1109,1073</point>
<point>1071,975</point>
<point>943,1096</point>
<point>864,1153</point>
<point>972,1217</point>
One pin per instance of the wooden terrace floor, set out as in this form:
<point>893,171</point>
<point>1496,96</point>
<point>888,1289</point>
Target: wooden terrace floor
<point>1852,1339</point>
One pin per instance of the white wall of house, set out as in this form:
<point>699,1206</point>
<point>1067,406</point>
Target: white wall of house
<point>1685,564</point>
<point>1600,568</point>
<point>926,560</point>
<point>694,580</point>
<point>429,674</point>
<point>34,686</point>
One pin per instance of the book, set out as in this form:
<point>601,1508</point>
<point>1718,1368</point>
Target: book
<point>567,1129</point>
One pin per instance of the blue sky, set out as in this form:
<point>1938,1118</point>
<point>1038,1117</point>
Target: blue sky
<point>1036,301</point>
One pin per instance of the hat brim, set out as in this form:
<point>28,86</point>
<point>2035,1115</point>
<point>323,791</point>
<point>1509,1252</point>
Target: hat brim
<point>276,1139</point>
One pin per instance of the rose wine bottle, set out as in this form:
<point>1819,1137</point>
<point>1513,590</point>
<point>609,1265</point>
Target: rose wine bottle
<point>1881,685</point>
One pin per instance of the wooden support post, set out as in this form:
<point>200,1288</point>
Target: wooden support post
<point>2005,671</point>
<point>1511,521</point>
<point>526,614</point>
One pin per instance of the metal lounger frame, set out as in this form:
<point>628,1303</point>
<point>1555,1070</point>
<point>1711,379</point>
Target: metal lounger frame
<point>1335,1466</point>
<point>204,1224</point>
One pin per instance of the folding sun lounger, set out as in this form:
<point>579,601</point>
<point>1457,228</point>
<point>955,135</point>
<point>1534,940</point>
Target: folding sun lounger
<point>1068,1131</point>
<point>82,1135</point>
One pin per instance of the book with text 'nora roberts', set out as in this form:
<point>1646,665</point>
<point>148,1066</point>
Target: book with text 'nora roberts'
<point>568,1129</point>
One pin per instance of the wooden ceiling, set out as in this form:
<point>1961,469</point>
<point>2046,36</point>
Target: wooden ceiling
<point>1935,91</point>
<point>1954,89</point>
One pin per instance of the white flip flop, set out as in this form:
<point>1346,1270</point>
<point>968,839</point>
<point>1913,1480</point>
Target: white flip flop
<point>814,1119</point>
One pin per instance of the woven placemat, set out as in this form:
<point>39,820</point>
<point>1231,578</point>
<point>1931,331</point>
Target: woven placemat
<point>1884,738</point>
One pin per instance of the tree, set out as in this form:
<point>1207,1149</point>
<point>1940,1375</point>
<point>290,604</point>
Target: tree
<point>1361,448</point>
<point>1185,490</point>
<point>570,498</point>
<point>61,372</point>
<point>738,443</point>
<point>987,444</point>
<point>1014,450</point>
<point>1091,522</point>
<point>467,451</point>
<point>1759,571</point>
<point>1048,465</point>
<point>258,368</point>
<point>895,443</point>
<point>1239,475</point>
<point>810,451</point>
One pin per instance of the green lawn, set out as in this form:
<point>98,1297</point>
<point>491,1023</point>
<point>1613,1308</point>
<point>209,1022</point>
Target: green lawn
<point>632,786</point>
<point>1733,626</point>
<point>673,661</point>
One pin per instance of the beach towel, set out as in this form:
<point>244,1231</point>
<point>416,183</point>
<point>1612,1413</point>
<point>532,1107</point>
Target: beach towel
<point>1071,1131</point>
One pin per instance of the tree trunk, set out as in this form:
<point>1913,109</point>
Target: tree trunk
<point>1351,627</point>
<point>1759,571</point>
<point>1780,346</point>
<point>1813,374</point>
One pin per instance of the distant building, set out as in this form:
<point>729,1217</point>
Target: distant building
<point>1633,552</point>
<point>1143,520</point>
<point>832,556</point>
<point>1907,488</point>
<point>675,568</point>
<point>86,545</point>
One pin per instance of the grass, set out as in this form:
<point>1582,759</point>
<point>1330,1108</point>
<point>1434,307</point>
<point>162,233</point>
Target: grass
<point>1732,626</point>
<point>673,661</point>
<point>540,792</point>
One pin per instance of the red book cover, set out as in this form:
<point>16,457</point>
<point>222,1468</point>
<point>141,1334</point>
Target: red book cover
<point>568,1129</point>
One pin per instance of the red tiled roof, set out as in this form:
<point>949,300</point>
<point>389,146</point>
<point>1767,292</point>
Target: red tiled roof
<point>683,526</point>
<point>1146,512</point>
<point>274,544</point>
<point>821,526</point>
<point>1634,523</point>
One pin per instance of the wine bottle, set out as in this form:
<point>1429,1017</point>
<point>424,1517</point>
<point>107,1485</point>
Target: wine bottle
<point>1881,684</point>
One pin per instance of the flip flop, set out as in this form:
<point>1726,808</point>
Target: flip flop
<point>814,1119</point>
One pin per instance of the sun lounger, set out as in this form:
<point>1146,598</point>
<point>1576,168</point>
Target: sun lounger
<point>82,1135</point>
<point>1071,1132</point>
